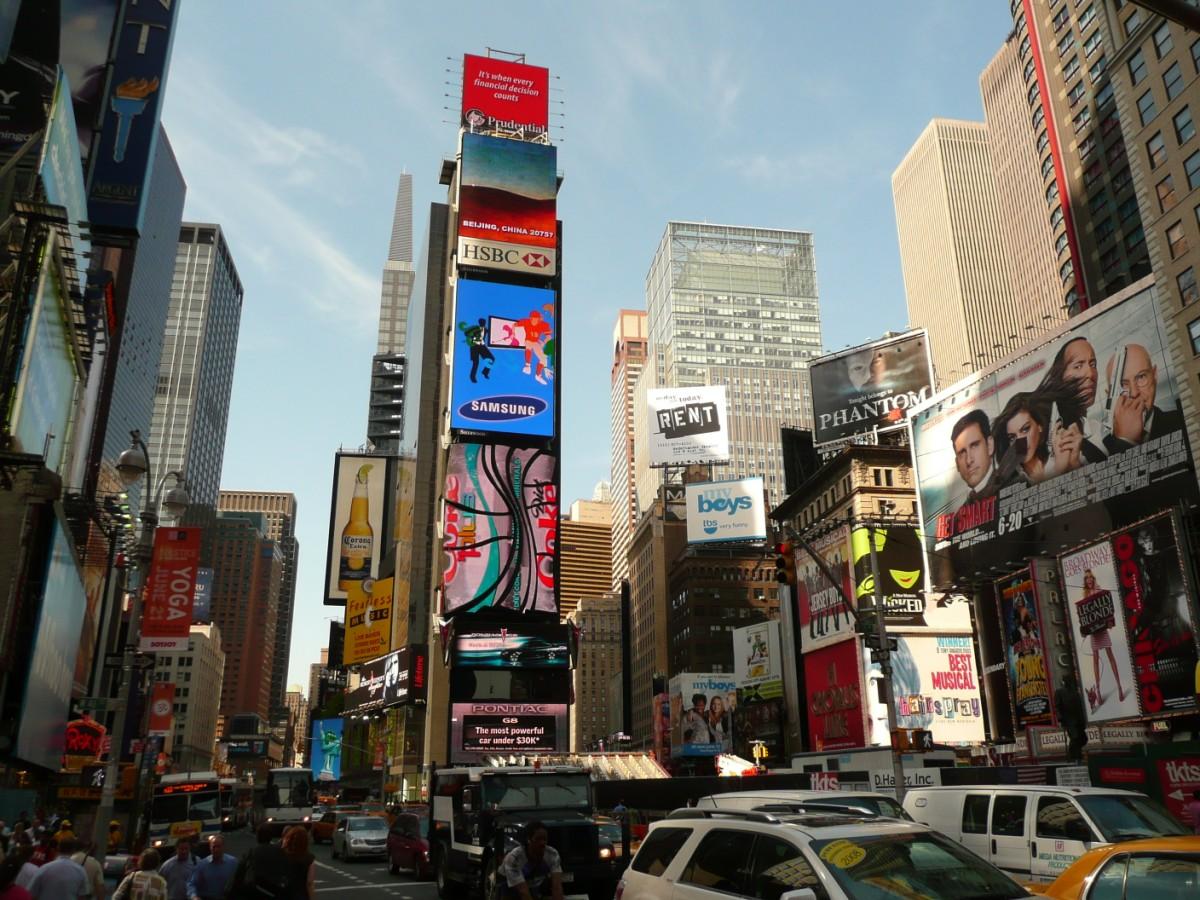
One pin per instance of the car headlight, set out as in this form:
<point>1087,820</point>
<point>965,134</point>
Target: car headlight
<point>226,819</point>
<point>270,818</point>
<point>308,818</point>
<point>158,843</point>
<point>606,852</point>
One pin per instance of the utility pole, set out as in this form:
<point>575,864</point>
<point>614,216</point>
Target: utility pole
<point>885,666</point>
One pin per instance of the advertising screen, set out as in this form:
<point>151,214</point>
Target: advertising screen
<point>1078,436</point>
<point>936,688</point>
<point>368,621</point>
<point>502,378</point>
<point>1021,630</point>
<point>500,95</point>
<point>820,605</point>
<point>325,757</point>
<point>702,710</point>
<point>833,677</point>
<point>758,661</point>
<point>202,607</point>
<point>368,694</point>
<point>507,727</point>
<point>404,675</point>
<point>170,590</point>
<point>501,648</point>
<point>356,524</point>
<point>62,169</point>
<point>507,205</point>
<point>734,510</point>
<point>688,425</point>
<point>901,567</point>
<point>500,525</point>
<point>869,387</point>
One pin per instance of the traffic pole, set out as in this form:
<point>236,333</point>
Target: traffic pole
<point>885,667</point>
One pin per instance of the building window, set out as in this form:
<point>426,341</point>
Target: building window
<point>1192,166</point>
<point>1109,258</point>
<point>1056,217</point>
<point>1039,118</point>
<point>1122,179</point>
<point>1173,79</point>
<point>1104,96</point>
<point>1108,123</point>
<point>1065,271</point>
<point>1097,202</point>
<point>1092,43</point>
<point>1188,291</point>
<point>1127,209</point>
<point>1134,239</point>
<point>1146,107</point>
<point>1033,93</point>
<point>1166,193</point>
<point>1024,46</point>
<point>1075,93</point>
<point>1156,150</point>
<point>1098,67</point>
<point>1092,173</point>
<point>1065,43</point>
<point>1061,243</point>
<point>1196,56</point>
<point>1176,240</point>
<point>1052,192</point>
<point>1043,140</point>
<point>1132,23</point>
<point>1070,68</point>
<point>1029,67</point>
<point>1184,129</point>
<point>1061,17</point>
<point>1047,166</point>
<point>1162,40</point>
<point>1115,154</point>
<point>1086,146</point>
<point>1137,68</point>
<point>1082,118</point>
<point>1087,17</point>
<point>1194,335</point>
<point>1104,230</point>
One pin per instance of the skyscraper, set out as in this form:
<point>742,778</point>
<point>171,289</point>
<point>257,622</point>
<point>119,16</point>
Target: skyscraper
<point>630,339</point>
<point>585,553</point>
<point>598,619</point>
<point>737,306</point>
<point>279,508</point>
<point>195,372</point>
<point>197,674</point>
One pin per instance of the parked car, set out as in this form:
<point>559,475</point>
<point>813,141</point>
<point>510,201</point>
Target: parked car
<point>408,846</point>
<point>356,837</point>
<point>709,853</point>
<point>1151,869</point>
<point>1034,832</point>
<point>837,801</point>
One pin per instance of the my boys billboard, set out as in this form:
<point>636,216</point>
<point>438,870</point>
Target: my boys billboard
<point>733,510</point>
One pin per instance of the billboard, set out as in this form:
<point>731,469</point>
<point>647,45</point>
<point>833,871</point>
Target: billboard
<point>499,527</point>
<point>758,661</point>
<point>368,620</point>
<point>507,205</point>
<point>833,678</point>
<point>477,729</point>
<point>162,701</point>
<point>62,169</point>
<point>869,387</point>
<point>87,29</point>
<point>820,606</point>
<point>499,95</point>
<point>325,749</point>
<point>1075,437</point>
<point>368,694</point>
<point>901,563</point>
<point>356,524</point>
<point>404,675</point>
<point>1025,651</point>
<point>526,647</point>
<point>702,710</point>
<point>733,510</point>
<point>170,590</point>
<point>660,724</point>
<point>502,379</point>
<point>125,149</point>
<point>688,425</point>
<point>202,606</point>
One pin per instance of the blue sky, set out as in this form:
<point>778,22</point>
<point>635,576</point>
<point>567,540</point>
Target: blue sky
<point>292,123</point>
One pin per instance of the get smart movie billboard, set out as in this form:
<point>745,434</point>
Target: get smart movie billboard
<point>506,96</point>
<point>505,361</point>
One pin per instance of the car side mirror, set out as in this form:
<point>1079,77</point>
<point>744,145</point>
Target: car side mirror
<point>800,894</point>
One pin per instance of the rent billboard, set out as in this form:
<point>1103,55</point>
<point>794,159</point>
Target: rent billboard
<point>869,387</point>
<point>502,379</point>
<point>507,205</point>
<point>702,709</point>
<point>833,679</point>
<point>505,96</point>
<point>356,524</point>
<point>499,527</point>
<point>688,425</point>
<point>479,729</point>
<point>821,609</point>
<point>1021,630</point>
<point>734,510</point>
<point>1080,435</point>
<point>326,749</point>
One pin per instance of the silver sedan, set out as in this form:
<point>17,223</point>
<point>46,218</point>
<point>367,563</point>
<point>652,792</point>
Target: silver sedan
<point>359,836</point>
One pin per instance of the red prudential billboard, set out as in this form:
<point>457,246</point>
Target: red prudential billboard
<point>170,590</point>
<point>499,95</point>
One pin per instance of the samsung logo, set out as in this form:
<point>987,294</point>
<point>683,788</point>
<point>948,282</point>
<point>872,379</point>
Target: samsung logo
<point>502,409</point>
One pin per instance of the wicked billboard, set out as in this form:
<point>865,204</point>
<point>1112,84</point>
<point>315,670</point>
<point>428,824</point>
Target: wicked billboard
<point>869,387</point>
<point>1077,436</point>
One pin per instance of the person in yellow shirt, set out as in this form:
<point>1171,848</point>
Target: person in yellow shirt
<point>64,832</point>
<point>114,835</point>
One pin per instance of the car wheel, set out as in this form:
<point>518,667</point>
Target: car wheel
<point>493,887</point>
<point>333,851</point>
<point>393,869</point>
<point>447,889</point>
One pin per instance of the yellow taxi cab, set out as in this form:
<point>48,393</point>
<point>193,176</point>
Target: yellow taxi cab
<point>1160,868</point>
<point>324,826</point>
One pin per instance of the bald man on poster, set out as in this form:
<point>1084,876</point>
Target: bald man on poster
<point>1135,418</point>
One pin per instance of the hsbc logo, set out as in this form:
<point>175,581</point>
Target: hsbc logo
<point>536,260</point>
<point>510,257</point>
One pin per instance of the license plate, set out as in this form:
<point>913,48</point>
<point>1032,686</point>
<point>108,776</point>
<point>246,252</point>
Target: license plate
<point>568,877</point>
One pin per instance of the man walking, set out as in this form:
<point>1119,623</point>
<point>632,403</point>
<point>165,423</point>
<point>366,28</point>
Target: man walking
<point>178,870</point>
<point>62,878</point>
<point>212,875</point>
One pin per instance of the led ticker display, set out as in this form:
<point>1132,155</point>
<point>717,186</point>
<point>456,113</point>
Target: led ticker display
<point>188,787</point>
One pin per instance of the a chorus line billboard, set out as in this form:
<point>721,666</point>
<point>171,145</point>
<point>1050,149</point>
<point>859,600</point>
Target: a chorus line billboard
<point>1078,436</point>
<point>505,361</point>
<point>356,524</point>
<point>480,729</point>
<point>869,387</point>
<point>507,205</point>
<point>500,95</point>
<point>1133,623</point>
<point>734,510</point>
<point>688,425</point>
<point>500,525</point>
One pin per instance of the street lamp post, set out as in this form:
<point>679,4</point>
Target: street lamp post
<point>133,465</point>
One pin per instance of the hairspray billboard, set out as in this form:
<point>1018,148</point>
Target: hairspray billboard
<point>502,379</point>
<point>702,708</point>
<point>1080,434</point>
<point>499,526</point>
<point>1021,629</point>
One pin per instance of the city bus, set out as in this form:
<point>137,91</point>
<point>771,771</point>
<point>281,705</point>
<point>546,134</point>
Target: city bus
<point>288,799</point>
<point>236,804</point>
<point>185,805</point>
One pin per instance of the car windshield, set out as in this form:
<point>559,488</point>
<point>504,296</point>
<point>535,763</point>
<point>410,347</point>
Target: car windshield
<point>537,792</point>
<point>368,823</point>
<point>923,864</point>
<point>1124,818</point>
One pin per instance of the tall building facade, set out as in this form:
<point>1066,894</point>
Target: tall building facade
<point>197,674</point>
<point>297,706</point>
<point>599,622</point>
<point>585,554</point>
<point>630,342</point>
<point>245,604</point>
<point>315,670</point>
<point>195,371</point>
<point>279,510</point>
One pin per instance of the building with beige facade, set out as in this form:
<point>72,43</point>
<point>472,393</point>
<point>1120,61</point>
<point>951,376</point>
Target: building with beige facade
<point>297,705</point>
<point>630,341</point>
<point>584,554</point>
<point>197,674</point>
<point>598,619</point>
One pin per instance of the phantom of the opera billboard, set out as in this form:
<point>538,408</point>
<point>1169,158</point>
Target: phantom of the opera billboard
<point>869,387</point>
<point>499,530</point>
<point>505,96</point>
<point>507,205</point>
<point>502,379</point>
<point>1077,437</point>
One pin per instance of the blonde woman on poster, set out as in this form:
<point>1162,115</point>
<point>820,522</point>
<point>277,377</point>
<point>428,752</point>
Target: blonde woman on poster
<point>1099,640</point>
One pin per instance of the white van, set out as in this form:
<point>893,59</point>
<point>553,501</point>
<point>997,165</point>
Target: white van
<point>878,804</point>
<point>1034,832</point>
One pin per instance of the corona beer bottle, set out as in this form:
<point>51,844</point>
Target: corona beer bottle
<point>358,538</point>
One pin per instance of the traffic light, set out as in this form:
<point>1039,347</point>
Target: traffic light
<point>785,563</point>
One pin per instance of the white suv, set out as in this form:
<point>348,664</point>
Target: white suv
<point>697,854</point>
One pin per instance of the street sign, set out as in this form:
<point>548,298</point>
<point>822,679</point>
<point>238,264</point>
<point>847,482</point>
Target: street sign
<point>880,655</point>
<point>101,704</point>
<point>119,660</point>
<point>872,641</point>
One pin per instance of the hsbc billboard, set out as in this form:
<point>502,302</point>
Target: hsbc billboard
<point>507,205</point>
